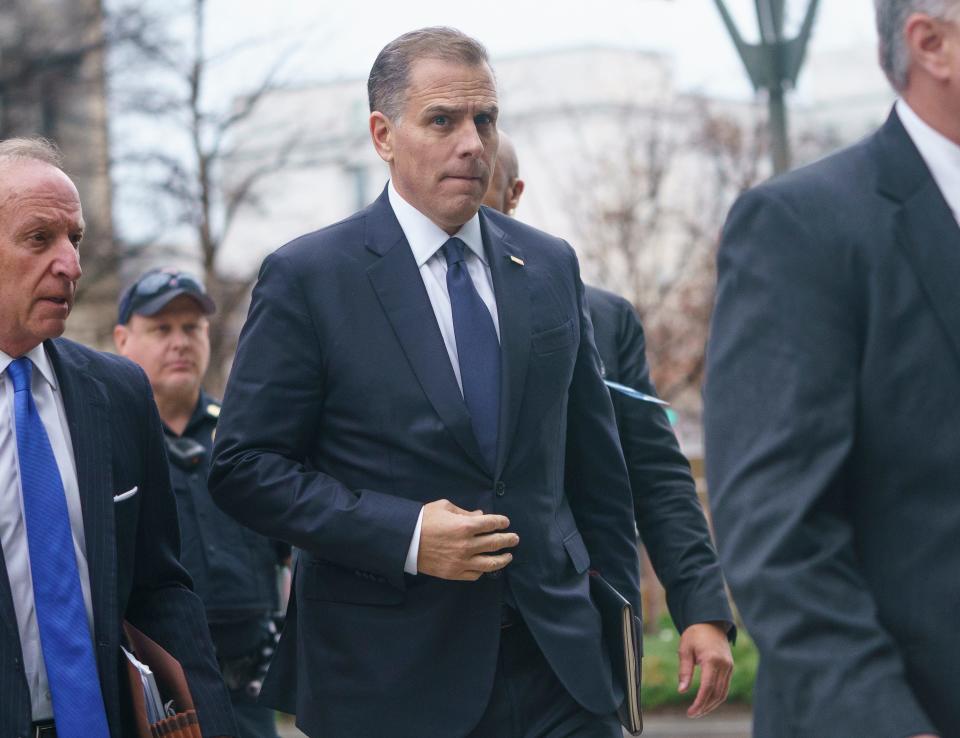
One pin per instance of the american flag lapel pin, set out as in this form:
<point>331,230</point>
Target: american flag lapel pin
<point>516,259</point>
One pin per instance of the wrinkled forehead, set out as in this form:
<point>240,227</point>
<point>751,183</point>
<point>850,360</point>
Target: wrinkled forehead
<point>451,83</point>
<point>29,187</point>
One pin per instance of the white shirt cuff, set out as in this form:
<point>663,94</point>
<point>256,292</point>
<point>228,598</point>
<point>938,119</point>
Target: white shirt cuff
<point>410,565</point>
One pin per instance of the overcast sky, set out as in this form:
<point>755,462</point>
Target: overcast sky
<point>337,39</point>
<point>341,39</point>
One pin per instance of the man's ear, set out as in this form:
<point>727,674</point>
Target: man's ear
<point>516,189</point>
<point>120,335</point>
<point>931,45</point>
<point>381,131</point>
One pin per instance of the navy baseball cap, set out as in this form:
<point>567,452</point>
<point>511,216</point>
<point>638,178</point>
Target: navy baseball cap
<point>154,290</point>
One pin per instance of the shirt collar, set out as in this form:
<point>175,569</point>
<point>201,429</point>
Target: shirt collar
<point>941,155</point>
<point>426,237</point>
<point>37,355</point>
<point>201,414</point>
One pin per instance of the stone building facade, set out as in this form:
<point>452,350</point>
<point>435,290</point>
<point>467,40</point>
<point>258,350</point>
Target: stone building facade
<point>53,84</point>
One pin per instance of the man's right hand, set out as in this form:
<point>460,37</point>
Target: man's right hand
<point>461,544</point>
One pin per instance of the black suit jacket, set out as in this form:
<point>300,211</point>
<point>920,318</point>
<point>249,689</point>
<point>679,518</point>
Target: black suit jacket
<point>668,513</point>
<point>342,416</point>
<point>132,545</point>
<point>833,442</point>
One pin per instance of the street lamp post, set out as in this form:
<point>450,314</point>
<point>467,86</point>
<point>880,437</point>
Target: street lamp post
<point>773,64</point>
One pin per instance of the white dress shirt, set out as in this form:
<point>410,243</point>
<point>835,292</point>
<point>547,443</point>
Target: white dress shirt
<point>426,238</point>
<point>13,534</point>
<point>942,156</point>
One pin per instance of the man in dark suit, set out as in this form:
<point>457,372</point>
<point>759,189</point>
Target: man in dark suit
<point>668,513</point>
<point>405,390</point>
<point>833,417</point>
<point>87,521</point>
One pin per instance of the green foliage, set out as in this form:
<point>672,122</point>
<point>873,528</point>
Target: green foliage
<point>659,686</point>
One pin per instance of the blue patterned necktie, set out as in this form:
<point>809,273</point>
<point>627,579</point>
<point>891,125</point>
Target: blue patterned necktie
<point>78,709</point>
<point>478,351</point>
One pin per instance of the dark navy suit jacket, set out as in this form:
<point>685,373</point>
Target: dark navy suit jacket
<point>342,417</point>
<point>132,545</point>
<point>833,442</point>
<point>668,513</point>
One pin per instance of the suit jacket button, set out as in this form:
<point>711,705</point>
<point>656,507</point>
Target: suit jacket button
<point>501,489</point>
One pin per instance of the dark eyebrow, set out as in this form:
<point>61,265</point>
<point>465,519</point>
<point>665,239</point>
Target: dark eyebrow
<point>441,110</point>
<point>449,110</point>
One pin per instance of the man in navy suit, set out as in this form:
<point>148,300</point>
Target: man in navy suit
<point>668,513</point>
<point>407,388</point>
<point>88,523</point>
<point>833,416</point>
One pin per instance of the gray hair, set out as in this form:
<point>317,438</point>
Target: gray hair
<point>390,73</point>
<point>891,18</point>
<point>35,149</point>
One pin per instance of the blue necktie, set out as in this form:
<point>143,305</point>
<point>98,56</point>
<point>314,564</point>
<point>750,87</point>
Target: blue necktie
<point>478,351</point>
<point>78,709</point>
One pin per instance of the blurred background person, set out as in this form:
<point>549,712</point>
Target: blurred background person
<point>668,513</point>
<point>162,325</point>
<point>832,412</point>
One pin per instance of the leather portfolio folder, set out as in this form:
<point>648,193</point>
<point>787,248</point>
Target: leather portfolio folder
<point>172,684</point>
<point>622,633</point>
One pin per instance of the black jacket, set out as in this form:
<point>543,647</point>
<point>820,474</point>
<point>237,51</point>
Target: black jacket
<point>668,512</point>
<point>234,569</point>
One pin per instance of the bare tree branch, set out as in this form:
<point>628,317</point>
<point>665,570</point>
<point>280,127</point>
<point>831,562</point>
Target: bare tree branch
<point>649,209</point>
<point>185,169</point>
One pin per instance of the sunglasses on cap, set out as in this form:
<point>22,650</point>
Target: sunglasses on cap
<point>146,295</point>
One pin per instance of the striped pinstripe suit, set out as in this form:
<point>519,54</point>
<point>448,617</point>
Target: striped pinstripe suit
<point>132,544</point>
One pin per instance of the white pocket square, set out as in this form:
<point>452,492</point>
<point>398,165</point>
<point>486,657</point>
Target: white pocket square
<point>126,495</point>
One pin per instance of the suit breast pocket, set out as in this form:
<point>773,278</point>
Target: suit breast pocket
<point>553,339</point>
<point>126,516</point>
<point>325,582</point>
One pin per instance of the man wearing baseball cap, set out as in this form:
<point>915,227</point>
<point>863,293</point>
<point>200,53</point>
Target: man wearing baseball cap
<point>162,325</point>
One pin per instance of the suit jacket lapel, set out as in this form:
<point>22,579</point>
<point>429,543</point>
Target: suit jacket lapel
<point>399,287</point>
<point>926,229</point>
<point>513,306</point>
<point>7,613</point>
<point>86,406</point>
